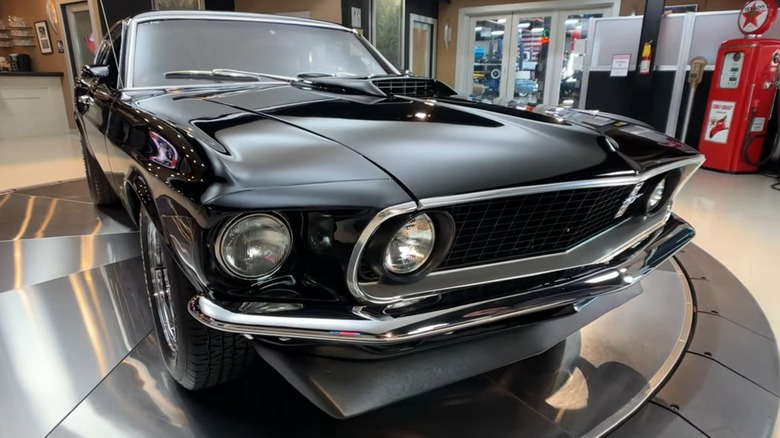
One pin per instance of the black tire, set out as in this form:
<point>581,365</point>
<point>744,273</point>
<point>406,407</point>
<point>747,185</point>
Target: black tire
<point>99,188</point>
<point>203,356</point>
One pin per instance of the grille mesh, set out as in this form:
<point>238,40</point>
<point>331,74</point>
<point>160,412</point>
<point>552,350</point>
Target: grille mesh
<point>407,87</point>
<point>530,225</point>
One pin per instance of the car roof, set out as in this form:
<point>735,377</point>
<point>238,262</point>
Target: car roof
<point>236,16</point>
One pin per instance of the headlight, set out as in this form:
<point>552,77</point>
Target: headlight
<point>656,196</point>
<point>411,246</point>
<point>254,246</point>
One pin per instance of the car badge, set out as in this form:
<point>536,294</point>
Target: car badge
<point>632,197</point>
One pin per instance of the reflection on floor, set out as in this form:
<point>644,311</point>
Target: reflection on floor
<point>71,304</point>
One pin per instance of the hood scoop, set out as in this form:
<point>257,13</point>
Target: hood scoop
<point>413,87</point>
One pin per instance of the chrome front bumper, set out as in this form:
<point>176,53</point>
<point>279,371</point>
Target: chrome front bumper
<point>357,326</point>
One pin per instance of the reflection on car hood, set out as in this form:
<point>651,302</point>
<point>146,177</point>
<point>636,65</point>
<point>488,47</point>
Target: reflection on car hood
<point>435,148</point>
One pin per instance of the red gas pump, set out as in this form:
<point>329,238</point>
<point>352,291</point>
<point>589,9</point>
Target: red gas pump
<point>742,94</point>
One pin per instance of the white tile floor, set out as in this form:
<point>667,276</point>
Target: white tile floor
<point>36,160</point>
<point>737,217</point>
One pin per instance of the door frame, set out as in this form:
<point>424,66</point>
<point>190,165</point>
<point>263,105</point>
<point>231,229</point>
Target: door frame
<point>556,9</point>
<point>94,19</point>
<point>65,27</point>
<point>410,41</point>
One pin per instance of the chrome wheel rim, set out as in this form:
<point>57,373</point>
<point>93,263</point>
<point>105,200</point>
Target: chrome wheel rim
<point>161,288</point>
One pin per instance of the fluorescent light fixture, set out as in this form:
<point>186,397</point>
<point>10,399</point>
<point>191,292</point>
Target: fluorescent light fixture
<point>478,29</point>
<point>524,25</point>
<point>537,30</point>
<point>501,20</point>
<point>571,21</point>
<point>497,33</point>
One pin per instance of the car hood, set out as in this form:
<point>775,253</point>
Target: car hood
<point>437,147</point>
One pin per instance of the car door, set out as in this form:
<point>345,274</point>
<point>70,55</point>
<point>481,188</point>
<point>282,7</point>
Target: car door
<point>94,98</point>
<point>117,128</point>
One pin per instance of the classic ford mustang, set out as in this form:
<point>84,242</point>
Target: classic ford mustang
<point>371,234</point>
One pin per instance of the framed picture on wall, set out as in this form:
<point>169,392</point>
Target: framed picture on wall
<point>44,42</point>
<point>161,5</point>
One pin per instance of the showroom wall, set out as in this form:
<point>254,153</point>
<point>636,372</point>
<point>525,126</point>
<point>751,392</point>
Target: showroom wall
<point>448,14</point>
<point>328,10</point>
<point>32,11</point>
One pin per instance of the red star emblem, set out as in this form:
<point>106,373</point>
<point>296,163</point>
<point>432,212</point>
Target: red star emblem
<point>751,16</point>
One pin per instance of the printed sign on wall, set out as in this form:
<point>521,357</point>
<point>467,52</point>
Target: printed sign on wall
<point>719,121</point>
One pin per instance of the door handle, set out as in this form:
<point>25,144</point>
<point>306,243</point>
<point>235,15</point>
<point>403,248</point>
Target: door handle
<point>86,100</point>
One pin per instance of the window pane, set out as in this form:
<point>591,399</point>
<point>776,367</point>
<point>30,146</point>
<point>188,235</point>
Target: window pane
<point>389,30</point>
<point>271,48</point>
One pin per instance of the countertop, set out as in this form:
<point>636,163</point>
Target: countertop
<point>30,73</point>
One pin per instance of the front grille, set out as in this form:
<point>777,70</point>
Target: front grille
<point>530,225</point>
<point>414,87</point>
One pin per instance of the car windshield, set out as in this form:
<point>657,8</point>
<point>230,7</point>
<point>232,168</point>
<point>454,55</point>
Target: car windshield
<point>271,48</point>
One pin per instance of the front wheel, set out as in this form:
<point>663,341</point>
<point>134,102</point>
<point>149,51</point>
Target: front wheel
<point>196,356</point>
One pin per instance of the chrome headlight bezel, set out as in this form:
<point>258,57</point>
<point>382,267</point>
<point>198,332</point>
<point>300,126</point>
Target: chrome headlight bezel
<point>373,255</point>
<point>432,246</point>
<point>219,247</point>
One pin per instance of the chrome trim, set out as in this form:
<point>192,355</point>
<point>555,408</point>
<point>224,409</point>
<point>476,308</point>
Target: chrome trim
<point>363,331</point>
<point>357,252</point>
<point>357,326</point>
<point>600,248</point>
<point>221,234</point>
<point>569,185</point>
<point>660,375</point>
<point>434,283</point>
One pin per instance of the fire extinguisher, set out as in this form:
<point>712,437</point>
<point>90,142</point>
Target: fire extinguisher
<point>647,54</point>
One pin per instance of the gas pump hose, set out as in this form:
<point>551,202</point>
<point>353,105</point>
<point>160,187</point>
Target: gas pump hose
<point>749,139</point>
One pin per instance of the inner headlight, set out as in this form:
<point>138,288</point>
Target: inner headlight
<point>656,196</point>
<point>254,246</point>
<point>411,246</point>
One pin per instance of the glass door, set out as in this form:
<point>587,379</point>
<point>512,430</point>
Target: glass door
<point>530,62</point>
<point>510,58</point>
<point>489,67</point>
<point>80,38</point>
<point>524,58</point>
<point>575,36</point>
<point>422,45</point>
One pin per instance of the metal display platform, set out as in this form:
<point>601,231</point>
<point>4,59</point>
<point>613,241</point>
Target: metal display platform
<point>691,356</point>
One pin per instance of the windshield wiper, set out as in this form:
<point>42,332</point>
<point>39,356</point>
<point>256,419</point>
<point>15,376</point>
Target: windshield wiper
<point>333,84</point>
<point>219,74</point>
<point>317,74</point>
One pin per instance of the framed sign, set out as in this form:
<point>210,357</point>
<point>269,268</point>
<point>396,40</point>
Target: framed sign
<point>44,42</point>
<point>620,64</point>
<point>162,5</point>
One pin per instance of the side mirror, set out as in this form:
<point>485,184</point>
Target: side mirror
<point>95,71</point>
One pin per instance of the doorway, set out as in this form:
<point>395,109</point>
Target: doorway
<point>422,45</point>
<point>525,54</point>
<point>81,41</point>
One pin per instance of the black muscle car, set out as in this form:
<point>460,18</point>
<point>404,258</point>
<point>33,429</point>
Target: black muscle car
<point>371,234</point>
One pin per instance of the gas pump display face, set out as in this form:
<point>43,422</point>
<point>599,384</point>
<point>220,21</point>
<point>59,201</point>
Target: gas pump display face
<point>732,69</point>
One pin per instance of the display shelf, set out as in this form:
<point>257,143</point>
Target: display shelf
<point>23,42</point>
<point>21,32</point>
